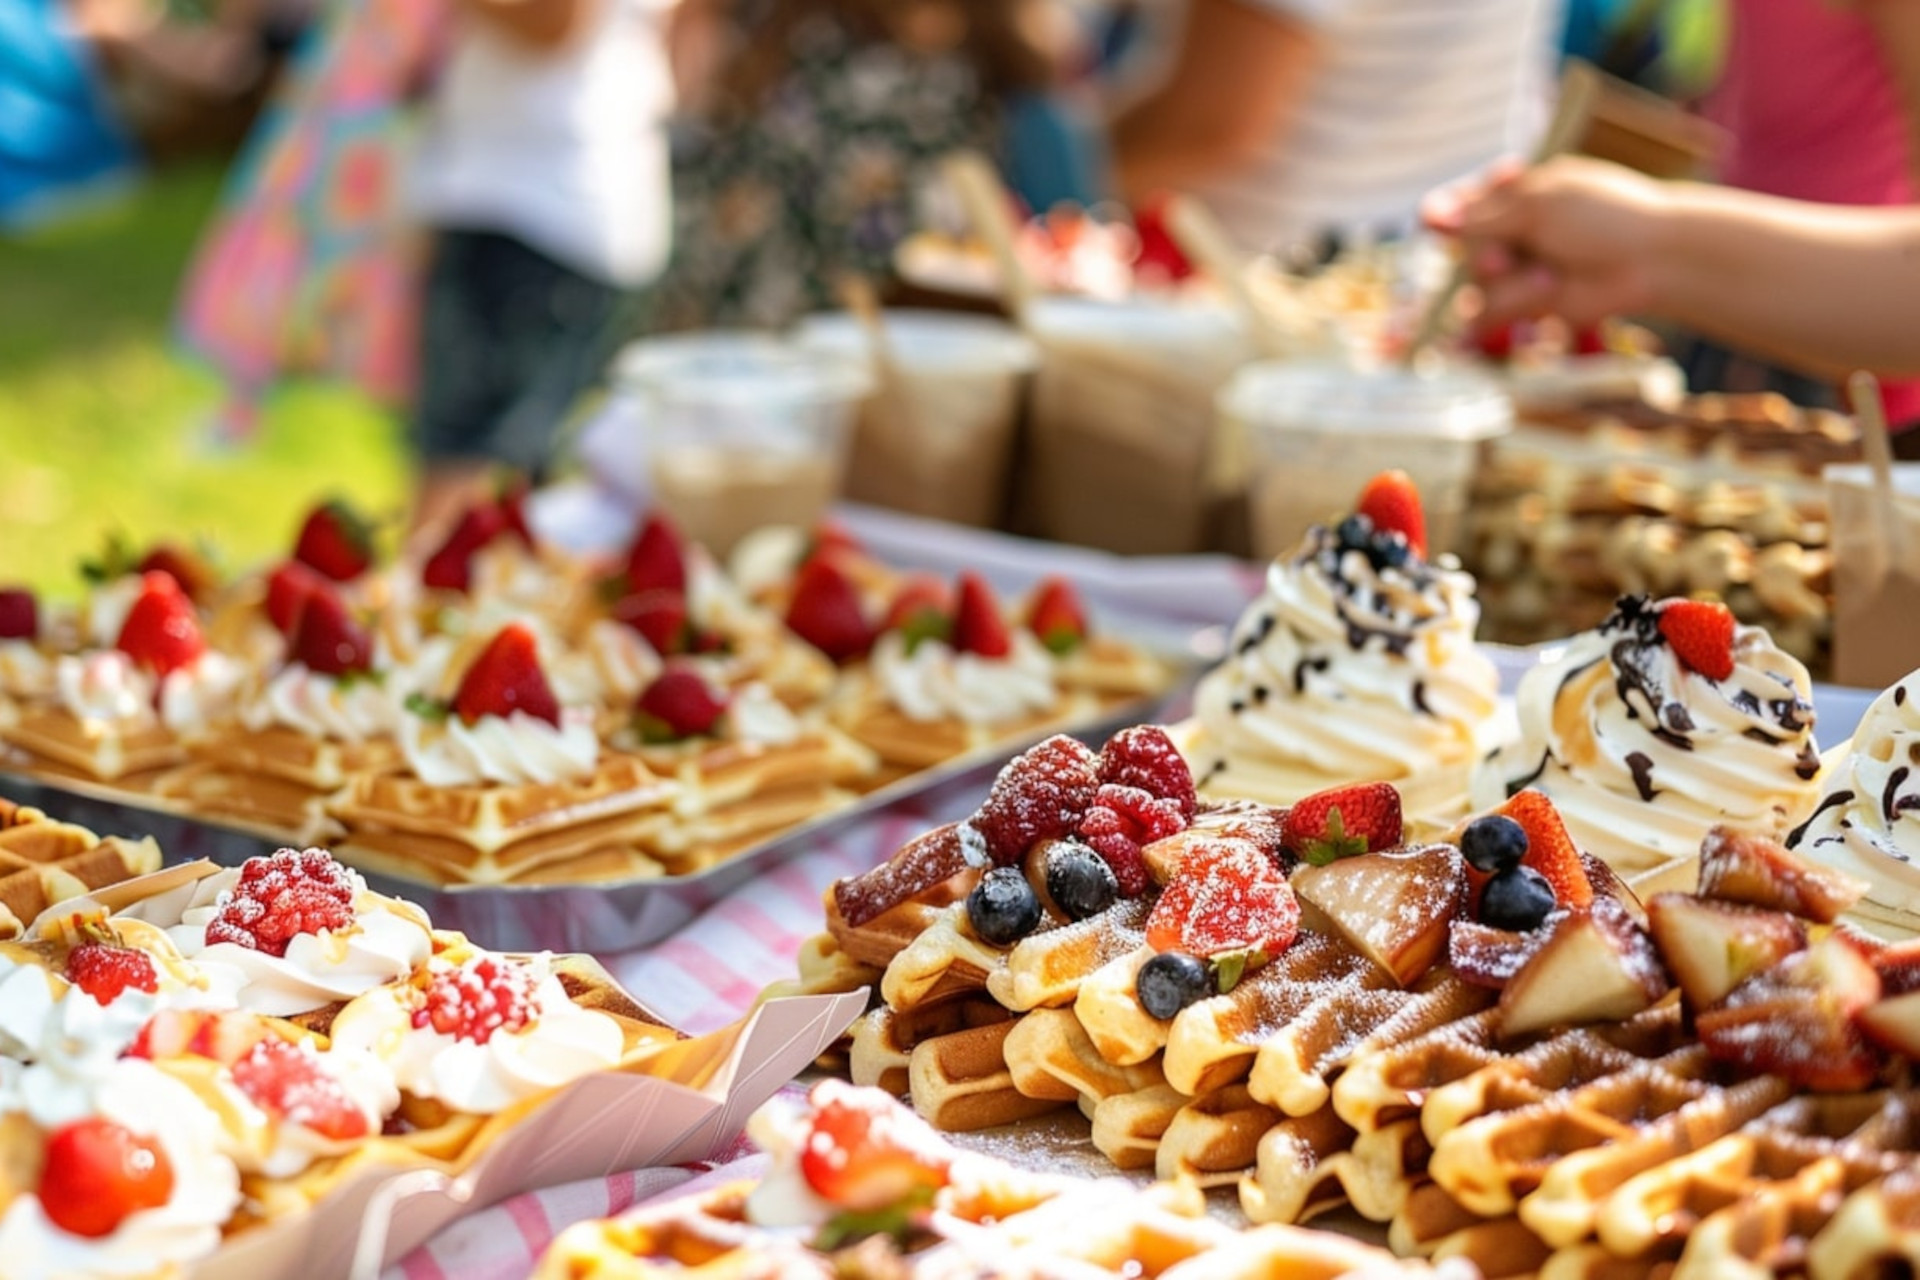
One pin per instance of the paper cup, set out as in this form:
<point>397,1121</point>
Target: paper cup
<point>1876,576</point>
<point>944,447</point>
<point>1317,433</point>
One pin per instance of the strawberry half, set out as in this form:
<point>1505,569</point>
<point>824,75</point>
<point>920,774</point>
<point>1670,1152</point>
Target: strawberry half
<point>1057,617</point>
<point>288,1082</point>
<point>327,639</point>
<point>921,610</point>
<point>1392,502</point>
<point>450,568</point>
<point>506,678</point>
<point>826,611</point>
<point>1343,821</point>
<point>866,1152</point>
<point>98,1174</point>
<point>188,568</point>
<point>679,704</point>
<point>335,540</point>
<point>1228,896</point>
<point>161,631</point>
<point>19,614</point>
<point>103,970</point>
<point>657,560</point>
<point>1701,633</point>
<point>977,624</point>
<point>1550,850</point>
<point>287,590</point>
<point>222,1035</point>
<point>660,617</point>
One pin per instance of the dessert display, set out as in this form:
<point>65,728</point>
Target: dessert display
<point>1669,718</point>
<point>44,861</point>
<point>1356,662</point>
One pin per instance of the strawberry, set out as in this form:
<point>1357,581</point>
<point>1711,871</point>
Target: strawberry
<point>1362,817</point>
<point>485,995</point>
<point>1701,633</point>
<point>281,896</point>
<point>98,1174</point>
<point>1057,616</point>
<point>327,639</point>
<point>450,568</point>
<point>1159,256</point>
<point>657,560</point>
<point>977,624</point>
<point>1590,341</point>
<point>920,610</point>
<point>335,540</point>
<point>1495,342</point>
<point>104,970</point>
<point>1227,896</point>
<point>867,1153</point>
<point>830,538</point>
<point>288,1082</point>
<point>506,678</point>
<point>660,617</point>
<point>287,588</point>
<point>678,704</point>
<point>19,614</point>
<point>161,631</point>
<point>1550,850</point>
<point>222,1035</point>
<point>1392,502</point>
<point>186,567</point>
<point>826,611</point>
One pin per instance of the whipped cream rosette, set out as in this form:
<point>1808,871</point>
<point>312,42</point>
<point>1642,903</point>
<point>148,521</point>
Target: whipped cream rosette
<point>1355,663</point>
<point>1667,719</point>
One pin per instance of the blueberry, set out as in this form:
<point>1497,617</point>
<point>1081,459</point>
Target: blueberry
<point>1354,533</point>
<point>1517,898</point>
<point>1389,550</point>
<point>1171,981</point>
<point>1493,843</point>
<point>1003,908</point>
<point>1079,880</point>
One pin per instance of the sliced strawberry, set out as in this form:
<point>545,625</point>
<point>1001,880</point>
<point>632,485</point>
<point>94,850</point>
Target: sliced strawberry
<point>327,639</point>
<point>1343,821</point>
<point>922,609</point>
<point>826,611</point>
<point>1227,896</point>
<point>222,1035</point>
<point>1701,633</point>
<point>289,1083</point>
<point>1392,502</point>
<point>19,614</point>
<point>335,540</point>
<point>657,560</point>
<point>977,624</point>
<point>506,678</point>
<point>1057,617</point>
<point>98,1174</point>
<point>103,970</point>
<point>161,631</point>
<point>678,704</point>
<point>478,999</point>
<point>287,589</point>
<point>450,568</point>
<point>660,617</point>
<point>867,1152</point>
<point>281,896</point>
<point>1550,850</point>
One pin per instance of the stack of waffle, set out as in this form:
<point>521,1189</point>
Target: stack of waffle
<point>43,861</point>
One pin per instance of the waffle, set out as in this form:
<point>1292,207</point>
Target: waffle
<point>44,861</point>
<point>128,754</point>
<point>906,745</point>
<point>275,779</point>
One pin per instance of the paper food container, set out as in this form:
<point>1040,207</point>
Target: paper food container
<point>1876,575</point>
<point>680,1102</point>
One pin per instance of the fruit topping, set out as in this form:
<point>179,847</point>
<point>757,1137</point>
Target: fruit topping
<point>826,611</point>
<point>679,704</point>
<point>1170,981</point>
<point>98,1174</point>
<point>1041,794</point>
<point>1144,756</point>
<point>1701,633</point>
<point>868,1153</point>
<point>1550,850</point>
<point>288,1082</point>
<point>1392,503</point>
<point>1057,617</point>
<point>1517,898</point>
<point>1079,880</point>
<point>1395,907</point>
<point>451,566</point>
<point>660,617</point>
<point>919,864</point>
<point>1343,821</point>
<point>1760,871</point>
<point>1493,843</point>
<point>831,538</point>
<point>327,639</point>
<point>19,614</point>
<point>1003,908</point>
<point>287,590</point>
<point>506,678</point>
<point>1711,947</point>
<point>1228,897</point>
<point>335,540</point>
<point>279,897</point>
<point>474,1000</point>
<point>1797,1019</point>
<point>977,624</point>
<point>103,970</point>
<point>511,497</point>
<point>1488,957</point>
<point>1120,822</point>
<point>224,1035</point>
<point>1595,965</point>
<point>161,631</point>
<point>921,610</point>
<point>1898,964</point>
<point>657,561</point>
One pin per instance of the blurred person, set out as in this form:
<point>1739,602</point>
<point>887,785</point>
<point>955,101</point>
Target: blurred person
<point>1825,288</point>
<point>61,142</point>
<point>1306,121</point>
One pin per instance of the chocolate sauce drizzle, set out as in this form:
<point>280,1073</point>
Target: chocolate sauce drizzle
<point>1892,803</point>
<point>1420,698</point>
<point>1641,766</point>
<point>1832,801</point>
<point>1305,665</point>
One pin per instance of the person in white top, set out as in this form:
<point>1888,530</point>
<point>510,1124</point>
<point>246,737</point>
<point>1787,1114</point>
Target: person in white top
<point>1294,120</point>
<point>543,177</point>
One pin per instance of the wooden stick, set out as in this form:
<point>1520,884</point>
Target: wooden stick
<point>1202,238</point>
<point>1863,390</point>
<point>891,404</point>
<point>990,211</point>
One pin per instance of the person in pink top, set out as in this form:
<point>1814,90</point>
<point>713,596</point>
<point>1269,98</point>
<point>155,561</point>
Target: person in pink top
<point>1819,97</point>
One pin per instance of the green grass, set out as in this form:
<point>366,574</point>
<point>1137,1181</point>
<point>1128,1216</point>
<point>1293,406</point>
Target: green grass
<point>105,427</point>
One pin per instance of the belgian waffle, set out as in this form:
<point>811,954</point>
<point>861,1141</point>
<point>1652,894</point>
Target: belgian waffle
<point>128,754</point>
<point>44,861</point>
<point>906,745</point>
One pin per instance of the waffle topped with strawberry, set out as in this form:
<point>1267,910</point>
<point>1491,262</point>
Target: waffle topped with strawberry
<point>1356,662</point>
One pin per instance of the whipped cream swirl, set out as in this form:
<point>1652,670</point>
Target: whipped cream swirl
<point>934,682</point>
<point>511,750</point>
<point>106,684</point>
<point>25,672</point>
<point>67,1041</point>
<point>1868,821</point>
<point>354,708</point>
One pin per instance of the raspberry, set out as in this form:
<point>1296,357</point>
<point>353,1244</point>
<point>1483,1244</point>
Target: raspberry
<point>103,971</point>
<point>1120,820</point>
<point>281,896</point>
<point>482,996</point>
<point>1040,795</point>
<point>288,1082</point>
<point>1144,756</point>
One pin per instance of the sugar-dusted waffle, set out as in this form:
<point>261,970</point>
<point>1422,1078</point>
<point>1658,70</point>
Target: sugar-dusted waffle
<point>1357,662</point>
<point>857,1186</point>
<point>1665,720</point>
<point>44,861</point>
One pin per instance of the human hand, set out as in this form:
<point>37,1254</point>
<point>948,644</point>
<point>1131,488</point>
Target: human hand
<point>1571,237</point>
